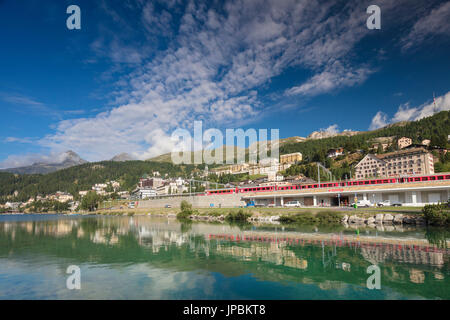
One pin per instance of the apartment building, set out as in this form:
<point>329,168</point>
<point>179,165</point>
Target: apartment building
<point>404,142</point>
<point>145,193</point>
<point>370,166</point>
<point>291,157</point>
<point>405,162</point>
<point>263,167</point>
<point>150,182</point>
<point>232,169</point>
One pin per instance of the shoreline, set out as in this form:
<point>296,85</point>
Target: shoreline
<point>355,218</point>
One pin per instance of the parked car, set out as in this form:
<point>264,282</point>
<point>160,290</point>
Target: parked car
<point>271,205</point>
<point>167,206</point>
<point>362,203</point>
<point>388,203</point>
<point>294,203</point>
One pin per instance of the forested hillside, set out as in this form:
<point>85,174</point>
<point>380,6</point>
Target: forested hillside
<point>436,128</point>
<point>84,176</point>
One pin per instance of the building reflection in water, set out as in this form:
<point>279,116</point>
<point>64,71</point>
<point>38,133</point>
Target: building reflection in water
<point>295,250</point>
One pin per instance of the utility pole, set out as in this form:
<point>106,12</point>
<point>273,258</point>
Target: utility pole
<point>318,173</point>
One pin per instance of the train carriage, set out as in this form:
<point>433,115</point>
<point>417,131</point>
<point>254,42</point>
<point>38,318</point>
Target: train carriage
<point>435,177</point>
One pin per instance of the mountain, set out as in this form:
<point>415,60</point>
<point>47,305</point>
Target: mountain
<point>64,160</point>
<point>167,157</point>
<point>318,142</point>
<point>123,157</point>
<point>325,134</point>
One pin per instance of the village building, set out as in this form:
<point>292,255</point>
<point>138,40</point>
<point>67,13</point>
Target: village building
<point>404,142</point>
<point>146,193</point>
<point>414,161</point>
<point>63,197</point>
<point>150,182</point>
<point>335,152</point>
<point>291,157</point>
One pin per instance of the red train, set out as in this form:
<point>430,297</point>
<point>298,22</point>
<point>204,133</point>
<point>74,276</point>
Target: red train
<point>436,177</point>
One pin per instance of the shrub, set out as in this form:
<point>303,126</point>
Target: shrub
<point>287,219</point>
<point>329,217</point>
<point>436,214</point>
<point>183,215</point>
<point>238,216</point>
<point>308,217</point>
<point>185,206</point>
<point>186,210</point>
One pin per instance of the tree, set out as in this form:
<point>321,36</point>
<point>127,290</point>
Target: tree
<point>439,141</point>
<point>380,149</point>
<point>109,188</point>
<point>90,201</point>
<point>61,206</point>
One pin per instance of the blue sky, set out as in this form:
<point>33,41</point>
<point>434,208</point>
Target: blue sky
<point>137,70</point>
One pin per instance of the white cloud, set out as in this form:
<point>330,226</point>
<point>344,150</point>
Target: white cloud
<point>407,113</point>
<point>333,129</point>
<point>437,22</point>
<point>20,140</point>
<point>216,59</point>
<point>332,78</point>
<point>210,71</point>
<point>378,121</point>
<point>14,161</point>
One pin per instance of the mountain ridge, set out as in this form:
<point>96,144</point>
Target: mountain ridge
<point>123,157</point>
<point>66,160</point>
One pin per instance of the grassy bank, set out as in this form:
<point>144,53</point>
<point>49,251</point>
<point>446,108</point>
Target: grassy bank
<point>266,211</point>
<point>322,217</point>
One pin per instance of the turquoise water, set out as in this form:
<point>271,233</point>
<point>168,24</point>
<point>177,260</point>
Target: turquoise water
<point>156,258</point>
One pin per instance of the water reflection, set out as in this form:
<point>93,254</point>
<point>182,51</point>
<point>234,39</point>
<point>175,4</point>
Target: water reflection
<point>289,262</point>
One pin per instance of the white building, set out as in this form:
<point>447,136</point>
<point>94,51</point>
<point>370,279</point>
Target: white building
<point>99,187</point>
<point>63,197</point>
<point>145,193</point>
<point>404,142</point>
<point>13,205</point>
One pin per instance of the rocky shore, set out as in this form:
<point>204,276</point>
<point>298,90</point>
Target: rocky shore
<point>387,218</point>
<point>374,221</point>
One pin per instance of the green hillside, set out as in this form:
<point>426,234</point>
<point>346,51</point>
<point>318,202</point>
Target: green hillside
<point>82,177</point>
<point>436,128</point>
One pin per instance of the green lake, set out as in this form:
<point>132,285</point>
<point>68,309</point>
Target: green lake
<point>158,258</point>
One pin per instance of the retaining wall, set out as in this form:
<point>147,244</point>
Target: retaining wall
<point>226,200</point>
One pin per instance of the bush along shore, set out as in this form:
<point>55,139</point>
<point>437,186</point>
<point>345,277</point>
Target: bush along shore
<point>436,215</point>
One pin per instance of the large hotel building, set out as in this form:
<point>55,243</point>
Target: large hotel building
<point>405,162</point>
